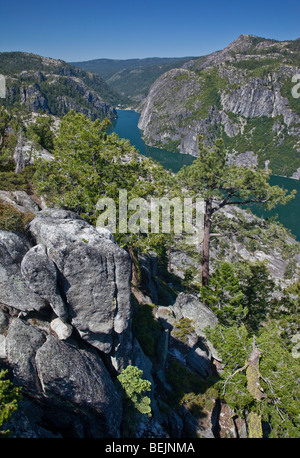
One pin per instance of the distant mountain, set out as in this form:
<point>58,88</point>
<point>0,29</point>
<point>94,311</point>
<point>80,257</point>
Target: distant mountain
<point>242,93</point>
<point>132,78</point>
<point>39,83</point>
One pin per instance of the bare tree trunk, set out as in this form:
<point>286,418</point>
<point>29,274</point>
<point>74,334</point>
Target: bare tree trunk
<point>253,386</point>
<point>206,242</point>
<point>169,258</point>
<point>18,155</point>
<point>136,276</point>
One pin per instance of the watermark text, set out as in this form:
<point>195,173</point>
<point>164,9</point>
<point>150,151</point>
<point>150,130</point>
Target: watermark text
<point>153,215</point>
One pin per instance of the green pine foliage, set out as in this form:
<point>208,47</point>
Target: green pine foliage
<point>224,295</point>
<point>279,373</point>
<point>12,219</point>
<point>285,311</point>
<point>89,164</point>
<point>9,398</point>
<point>40,132</point>
<point>182,329</point>
<point>258,289</point>
<point>135,388</point>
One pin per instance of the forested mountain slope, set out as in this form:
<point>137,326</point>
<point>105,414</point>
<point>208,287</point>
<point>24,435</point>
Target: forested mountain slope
<point>37,83</point>
<point>242,93</point>
<point>132,77</point>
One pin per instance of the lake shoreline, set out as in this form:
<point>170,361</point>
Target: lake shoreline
<point>190,155</point>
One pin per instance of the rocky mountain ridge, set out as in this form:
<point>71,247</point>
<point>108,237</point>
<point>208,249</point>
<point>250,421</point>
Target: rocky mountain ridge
<point>242,93</point>
<point>131,77</point>
<point>40,84</point>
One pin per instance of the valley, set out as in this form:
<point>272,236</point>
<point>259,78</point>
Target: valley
<point>131,78</point>
<point>126,126</point>
<point>139,334</point>
<point>242,94</point>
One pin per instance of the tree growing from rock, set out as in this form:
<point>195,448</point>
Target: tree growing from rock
<point>221,184</point>
<point>135,388</point>
<point>89,164</point>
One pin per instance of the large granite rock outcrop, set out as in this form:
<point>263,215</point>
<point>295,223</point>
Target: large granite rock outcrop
<point>195,351</point>
<point>228,93</point>
<point>65,323</point>
<point>61,375</point>
<point>93,276</point>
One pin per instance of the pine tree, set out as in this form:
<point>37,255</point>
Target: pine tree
<point>89,164</point>
<point>135,388</point>
<point>224,295</point>
<point>221,184</point>
<point>260,378</point>
<point>41,133</point>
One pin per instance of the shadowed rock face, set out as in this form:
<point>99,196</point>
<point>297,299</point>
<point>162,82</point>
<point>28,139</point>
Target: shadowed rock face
<point>14,291</point>
<point>63,374</point>
<point>41,275</point>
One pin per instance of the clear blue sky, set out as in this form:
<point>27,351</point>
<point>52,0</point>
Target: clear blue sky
<point>121,29</point>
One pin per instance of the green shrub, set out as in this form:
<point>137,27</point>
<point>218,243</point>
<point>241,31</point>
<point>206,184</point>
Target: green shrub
<point>188,387</point>
<point>11,181</point>
<point>135,388</point>
<point>9,396</point>
<point>183,328</point>
<point>12,219</point>
<point>41,133</point>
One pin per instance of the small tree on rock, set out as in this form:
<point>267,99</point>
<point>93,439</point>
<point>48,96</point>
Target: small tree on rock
<point>135,388</point>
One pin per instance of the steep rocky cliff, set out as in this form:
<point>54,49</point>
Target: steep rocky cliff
<point>242,93</point>
<point>66,332</point>
<point>71,319</point>
<point>42,84</point>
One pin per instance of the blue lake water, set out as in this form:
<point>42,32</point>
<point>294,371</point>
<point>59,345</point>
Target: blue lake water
<point>126,126</point>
